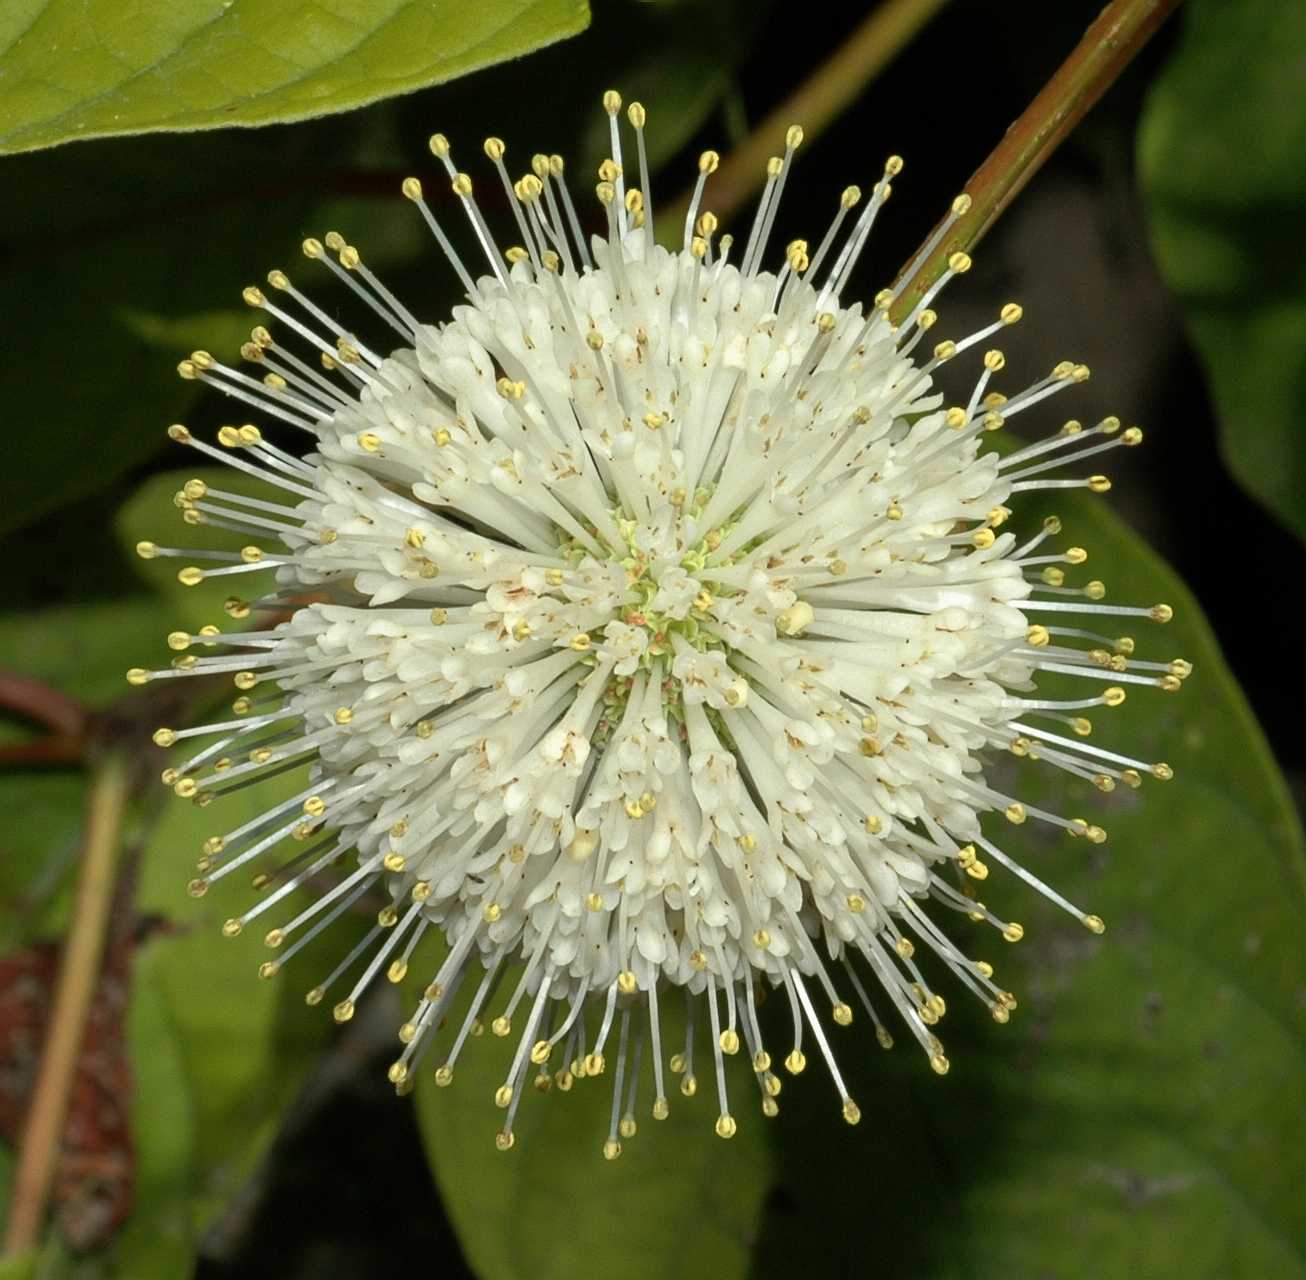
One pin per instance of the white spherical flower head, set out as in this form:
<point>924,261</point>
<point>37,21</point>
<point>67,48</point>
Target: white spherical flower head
<point>651,623</point>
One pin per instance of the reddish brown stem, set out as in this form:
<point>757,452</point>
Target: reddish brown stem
<point>55,749</point>
<point>79,967</point>
<point>35,700</point>
<point>1108,46</point>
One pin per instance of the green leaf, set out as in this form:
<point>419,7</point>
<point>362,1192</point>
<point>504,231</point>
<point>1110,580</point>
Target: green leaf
<point>1220,154</point>
<point>84,649</point>
<point>158,1239</point>
<point>113,282</point>
<point>241,1044</point>
<point>73,70</point>
<point>38,854</point>
<point>1140,1113</point>
<point>677,1199</point>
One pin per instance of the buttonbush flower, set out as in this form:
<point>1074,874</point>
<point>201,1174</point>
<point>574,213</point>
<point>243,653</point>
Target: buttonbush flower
<point>648,624</point>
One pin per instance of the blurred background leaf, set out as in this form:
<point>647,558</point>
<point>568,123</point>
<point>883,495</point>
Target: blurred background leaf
<point>677,1197</point>
<point>73,69</point>
<point>215,1055</point>
<point>1133,1117</point>
<point>137,249</point>
<point>80,650</point>
<point>149,516</point>
<point>1221,151</point>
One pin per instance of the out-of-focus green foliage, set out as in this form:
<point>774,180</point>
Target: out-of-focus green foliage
<point>1221,156</point>
<point>1133,1118</point>
<point>72,70</point>
<point>82,650</point>
<point>677,1198</point>
<point>20,1268</point>
<point>215,1053</point>
<point>128,252</point>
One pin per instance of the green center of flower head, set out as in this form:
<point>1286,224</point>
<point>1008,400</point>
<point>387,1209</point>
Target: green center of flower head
<point>689,621</point>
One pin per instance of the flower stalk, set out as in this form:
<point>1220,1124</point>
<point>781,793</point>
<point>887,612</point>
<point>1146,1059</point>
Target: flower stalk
<point>74,992</point>
<point>1109,45</point>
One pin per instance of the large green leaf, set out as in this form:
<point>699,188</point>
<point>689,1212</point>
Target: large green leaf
<point>1142,1114</point>
<point>72,70</point>
<point>677,1198</point>
<point>1220,152</point>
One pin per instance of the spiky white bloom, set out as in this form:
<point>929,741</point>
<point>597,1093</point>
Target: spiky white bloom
<point>650,625</point>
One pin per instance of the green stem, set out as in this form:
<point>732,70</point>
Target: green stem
<point>831,88</point>
<point>79,970</point>
<point>1108,47</point>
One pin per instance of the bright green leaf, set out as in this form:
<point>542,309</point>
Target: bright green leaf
<point>73,70</point>
<point>1141,1115</point>
<point>678,1198</point>
<point>1220,152</point>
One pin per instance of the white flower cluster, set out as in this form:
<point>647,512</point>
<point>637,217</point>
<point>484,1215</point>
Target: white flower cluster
<point>649,623</point>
